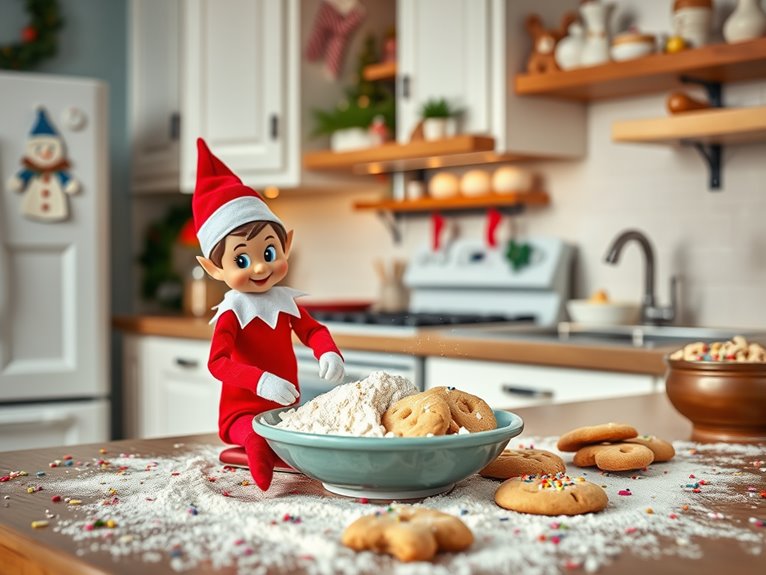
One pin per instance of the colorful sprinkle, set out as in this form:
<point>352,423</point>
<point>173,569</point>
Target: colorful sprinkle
<point>39,524</point>
<point>624,492</point>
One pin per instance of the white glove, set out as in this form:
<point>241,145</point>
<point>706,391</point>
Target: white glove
<point>274,388</point>
<point>331,367</point>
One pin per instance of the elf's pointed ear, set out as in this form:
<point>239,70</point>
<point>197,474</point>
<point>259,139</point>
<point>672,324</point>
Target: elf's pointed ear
<point>212,270</point>
<point>289,243</point>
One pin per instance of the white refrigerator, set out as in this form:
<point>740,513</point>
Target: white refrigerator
<point>54,267</point>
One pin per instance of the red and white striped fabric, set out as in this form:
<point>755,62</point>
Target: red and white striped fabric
<point>331,33</point>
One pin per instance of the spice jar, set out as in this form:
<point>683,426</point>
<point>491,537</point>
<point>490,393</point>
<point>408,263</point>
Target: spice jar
<point>692,19</point>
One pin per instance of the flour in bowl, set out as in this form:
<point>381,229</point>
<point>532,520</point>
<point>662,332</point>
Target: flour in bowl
<point>350,409</point>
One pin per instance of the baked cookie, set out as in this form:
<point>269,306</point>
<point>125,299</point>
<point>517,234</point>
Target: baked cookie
<point>513,463</point>
<point>577,438</point>
<point>417,416</point>
<point>663,450</point>
<point>408,533</point>
<point>550,495</point>
<point>623,457</point>
<point>586,456</point>
<point>467,410</point>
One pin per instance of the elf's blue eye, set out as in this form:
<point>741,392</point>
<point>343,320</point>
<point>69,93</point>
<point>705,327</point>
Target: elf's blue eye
<point>242,261</point>
<point>270,254</point>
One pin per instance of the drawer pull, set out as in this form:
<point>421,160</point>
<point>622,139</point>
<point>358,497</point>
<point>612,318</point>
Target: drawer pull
<point>530,392</point>
<point>187,363</point>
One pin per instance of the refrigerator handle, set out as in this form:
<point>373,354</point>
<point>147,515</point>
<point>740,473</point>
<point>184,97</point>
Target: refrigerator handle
<point>4,270</point>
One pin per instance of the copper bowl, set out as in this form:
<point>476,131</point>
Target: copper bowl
<point>725,401</point>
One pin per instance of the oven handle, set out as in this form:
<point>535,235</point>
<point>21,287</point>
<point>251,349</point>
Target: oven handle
<point>527,392</point>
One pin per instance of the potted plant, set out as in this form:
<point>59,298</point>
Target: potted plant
<point>436,115</point>
<point>348,125</point>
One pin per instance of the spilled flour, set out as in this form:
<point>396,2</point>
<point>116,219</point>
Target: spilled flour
<point>350,409</point>
<point>189,509</point>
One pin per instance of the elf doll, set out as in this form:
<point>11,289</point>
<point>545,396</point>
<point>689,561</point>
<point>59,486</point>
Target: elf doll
<point>246,246</point>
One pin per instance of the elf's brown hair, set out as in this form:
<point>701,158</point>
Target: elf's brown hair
<point>248,231</point>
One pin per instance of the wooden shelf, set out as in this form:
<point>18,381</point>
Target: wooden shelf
<point>714,126</point>
<point>382,71</point>
<point>654,73</point>
<point>416,155</point>
<point>458,203</point>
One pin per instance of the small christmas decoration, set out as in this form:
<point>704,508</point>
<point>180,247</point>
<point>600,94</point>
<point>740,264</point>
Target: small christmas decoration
<point>333,27</point>
<point>44,180</point>
<point>38,38</point>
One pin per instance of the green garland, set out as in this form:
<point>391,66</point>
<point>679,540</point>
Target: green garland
<point>38,38</point>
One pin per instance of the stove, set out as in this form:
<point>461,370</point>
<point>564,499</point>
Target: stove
<point>467,283</point>
<point>409,323</point>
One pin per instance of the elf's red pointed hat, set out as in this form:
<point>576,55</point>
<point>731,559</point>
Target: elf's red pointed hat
<point>221,202</point>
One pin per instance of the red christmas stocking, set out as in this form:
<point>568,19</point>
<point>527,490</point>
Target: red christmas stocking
<point>331,33</point>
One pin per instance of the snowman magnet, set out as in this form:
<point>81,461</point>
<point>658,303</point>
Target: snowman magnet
<point>44,179</point>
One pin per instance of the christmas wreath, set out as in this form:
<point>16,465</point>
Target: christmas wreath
<point>38,37</point>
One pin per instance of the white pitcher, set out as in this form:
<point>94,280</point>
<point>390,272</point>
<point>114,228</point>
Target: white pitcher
<point>748,21</point>
<point>596,47</point>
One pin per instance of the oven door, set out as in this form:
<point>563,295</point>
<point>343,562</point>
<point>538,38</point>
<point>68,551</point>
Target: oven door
<point>359,365</point>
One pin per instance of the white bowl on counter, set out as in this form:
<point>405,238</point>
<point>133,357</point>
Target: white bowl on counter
<point>587,312</point>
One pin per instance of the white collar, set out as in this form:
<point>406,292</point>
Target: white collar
<point>267,305</point>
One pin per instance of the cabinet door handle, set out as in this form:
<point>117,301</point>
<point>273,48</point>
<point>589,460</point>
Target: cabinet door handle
<point>529,392</point>
<point>175,126</point>
<point>406,86</point>
<point>187,363</point>
<point>274,126</point>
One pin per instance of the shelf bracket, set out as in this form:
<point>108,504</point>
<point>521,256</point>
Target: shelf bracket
<point>714,90</point>
<point>712,154</point>
<point>392,223</point>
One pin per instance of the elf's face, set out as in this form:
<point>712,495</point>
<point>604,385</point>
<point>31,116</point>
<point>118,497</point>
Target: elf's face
<point>254,265</point>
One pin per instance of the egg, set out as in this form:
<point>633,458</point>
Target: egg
<point>475,183</point>
<point>509,179</point>
<point>443,185</point>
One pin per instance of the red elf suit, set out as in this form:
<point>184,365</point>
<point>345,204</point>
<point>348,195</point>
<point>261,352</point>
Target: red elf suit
<point>252,343</point>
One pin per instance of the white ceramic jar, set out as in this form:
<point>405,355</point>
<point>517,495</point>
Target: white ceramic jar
<point>692,19</point>
<point>596,47</point>
<point>747,22</point>
<point>568,52</point>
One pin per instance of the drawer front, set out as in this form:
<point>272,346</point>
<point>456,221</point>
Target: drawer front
<point>175,392</point>
<point>181,358</point>
<point>507,385</point>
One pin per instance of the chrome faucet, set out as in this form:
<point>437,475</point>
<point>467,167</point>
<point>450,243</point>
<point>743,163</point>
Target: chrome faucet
<point>651,313</point>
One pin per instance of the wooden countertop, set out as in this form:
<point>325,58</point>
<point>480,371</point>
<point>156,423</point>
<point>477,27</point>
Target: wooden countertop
<point>439,342</point>
<point>44,551</point>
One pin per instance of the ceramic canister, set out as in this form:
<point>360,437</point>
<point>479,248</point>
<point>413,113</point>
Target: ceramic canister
<point>692,19</point>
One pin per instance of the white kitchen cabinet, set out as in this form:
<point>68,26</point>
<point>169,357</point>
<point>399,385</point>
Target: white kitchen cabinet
<point>511,385</point>
<point>468,51</point>
<point>154,104</point>
<point>239,91</point>
<point>168,389</point>
<point>223,71</point>
<point>443,51</point>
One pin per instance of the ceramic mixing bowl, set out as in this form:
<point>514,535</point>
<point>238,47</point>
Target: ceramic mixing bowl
<point>388,467</point>
<point>725,401</point>
<point>587,312</point>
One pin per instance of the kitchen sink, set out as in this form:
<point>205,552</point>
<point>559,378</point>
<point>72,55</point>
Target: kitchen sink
<point>644,336</point>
